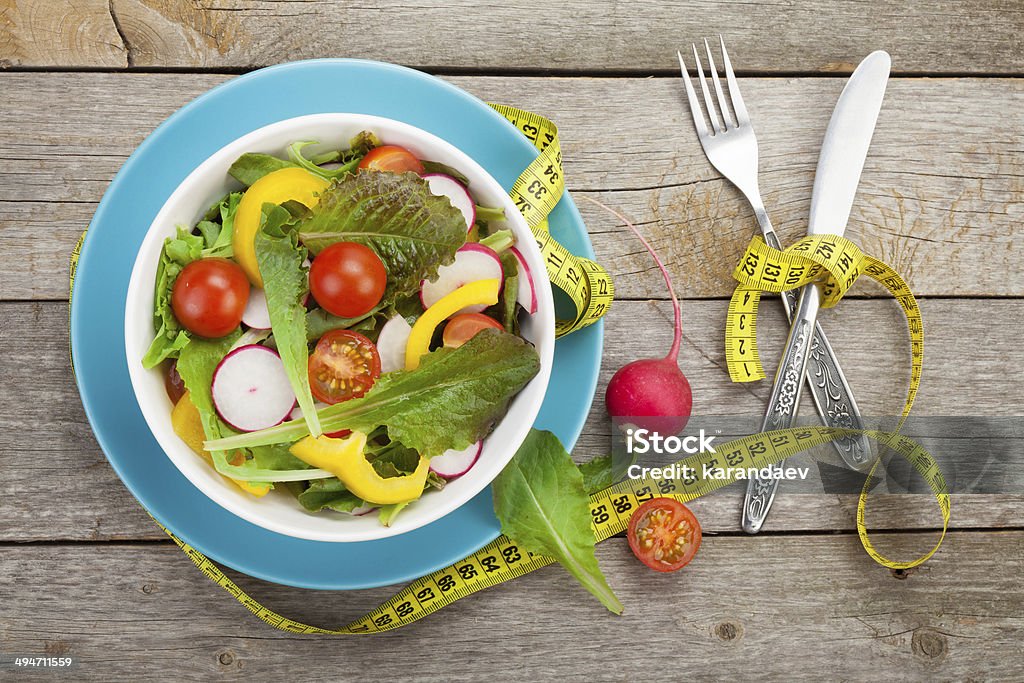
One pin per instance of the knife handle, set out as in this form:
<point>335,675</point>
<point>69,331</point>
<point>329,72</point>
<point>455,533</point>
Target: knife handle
<point>784,401</point>
<point>832,394</point>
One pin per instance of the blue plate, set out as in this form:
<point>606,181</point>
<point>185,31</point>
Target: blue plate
<point>135,196</point>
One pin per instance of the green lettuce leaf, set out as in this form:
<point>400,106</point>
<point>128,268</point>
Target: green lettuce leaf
<point>542,504</point>
<point>451,400</point>
<point>509,292</point>
<point>597,473</point>
<point>250,167</point>
<point>412,231</point>
<point>280,260</point>
<point>331,494</point>
<point>170,338</point>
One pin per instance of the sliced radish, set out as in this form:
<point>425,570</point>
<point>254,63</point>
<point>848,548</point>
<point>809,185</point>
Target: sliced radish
<point>391,343</point>
<point>363,510</point>
<point>256,315</point>
<point>527,294</point>
<point>251,389</point>
<point>443,185</point>
<point>473,262</point>
<point>453,463</point>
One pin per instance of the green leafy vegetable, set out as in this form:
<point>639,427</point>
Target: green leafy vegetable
<point>319,322</point>
<point>389,512</point>
<point>250,167</point>
<point>412,231</point>
<point>196,365</point>
<point>540,500</point>
<point>217,236</point>
<point>170,338</point>
<point>395,460</point>
<point>510,266</point>
<point>597,473</point>
<point>296,157</point>
<point>438,167</point>
<point>284,282</point>
<point>331,494</point>
<point>450,401</point>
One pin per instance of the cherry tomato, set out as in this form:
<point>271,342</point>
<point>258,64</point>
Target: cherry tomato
<point>344,365</point>
<point>464,326</point>
<point>391,158</point>
<point>209,297</point>
<point>664,534</point>
<point>347,279</point>
<point>173,383</point>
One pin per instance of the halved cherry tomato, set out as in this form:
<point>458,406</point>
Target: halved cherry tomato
<point>391,158</point>
<point>344,365</point>
<point>464,326</point>
<point>209,297</point>
<point>347,279</point>
<point>664,534</point>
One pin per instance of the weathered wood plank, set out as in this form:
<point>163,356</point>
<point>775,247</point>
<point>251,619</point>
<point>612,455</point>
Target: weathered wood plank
<point>47,443</point>
<point>819,604</point>
<point>60,33</point>
<point>940,198</point>
<point>821,36</point>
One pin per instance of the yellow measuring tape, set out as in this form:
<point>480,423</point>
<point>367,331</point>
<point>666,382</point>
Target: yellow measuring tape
<point>535,194</point>
<point>835,263</point>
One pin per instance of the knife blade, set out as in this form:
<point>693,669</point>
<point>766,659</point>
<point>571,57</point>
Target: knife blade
<point>840,163</point>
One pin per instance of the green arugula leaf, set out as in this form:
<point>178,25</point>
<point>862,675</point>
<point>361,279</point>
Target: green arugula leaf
<point>412,231</point>
<point>451,401</point>
<point>284,282</point>
<point>540,500</point>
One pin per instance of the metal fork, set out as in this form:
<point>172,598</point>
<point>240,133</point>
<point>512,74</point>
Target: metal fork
<point>731,147</point>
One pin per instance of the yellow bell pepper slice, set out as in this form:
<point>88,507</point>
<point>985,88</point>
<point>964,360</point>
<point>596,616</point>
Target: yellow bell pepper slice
<point>479,292</point>
<point>344,459</point>
<point>188,425</point>
<point>277,187</point>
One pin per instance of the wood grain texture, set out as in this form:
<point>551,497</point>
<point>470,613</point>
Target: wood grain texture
<point>981,36</point>
<point>141,612</point>
<point>48,446</point>
<point>941,195</point>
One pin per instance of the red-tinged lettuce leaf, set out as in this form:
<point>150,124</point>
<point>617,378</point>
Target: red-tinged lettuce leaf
<point>412,231</point>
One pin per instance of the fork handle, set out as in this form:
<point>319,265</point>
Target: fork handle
<point>830,390</point>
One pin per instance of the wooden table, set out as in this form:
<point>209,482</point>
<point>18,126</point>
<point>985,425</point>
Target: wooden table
<point>85,573</point>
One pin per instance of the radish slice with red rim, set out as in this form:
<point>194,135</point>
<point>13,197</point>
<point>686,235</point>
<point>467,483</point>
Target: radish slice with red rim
<point>251,390</point>
<point>473,262</point>
<point>527,293</point>
<point>454,463</point>
<point>443,185</point>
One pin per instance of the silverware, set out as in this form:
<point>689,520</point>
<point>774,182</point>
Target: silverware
<point>731,147</point>
<point>835,184</point>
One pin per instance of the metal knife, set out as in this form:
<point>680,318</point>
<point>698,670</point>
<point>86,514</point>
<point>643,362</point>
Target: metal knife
<point>835,184</point>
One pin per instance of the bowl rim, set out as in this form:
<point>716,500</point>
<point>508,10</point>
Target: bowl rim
<point>186,461</point>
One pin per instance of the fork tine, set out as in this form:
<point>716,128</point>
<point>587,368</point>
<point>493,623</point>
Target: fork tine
<point>742,118</point>
<point>712,114</point>
<point>722,104</point>
<point>698,115</point>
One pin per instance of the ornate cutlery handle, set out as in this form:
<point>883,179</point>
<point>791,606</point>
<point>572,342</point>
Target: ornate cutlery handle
<point>832,394</point>
<point>784,401</point>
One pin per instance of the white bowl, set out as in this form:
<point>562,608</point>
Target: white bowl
<point>279,511</point>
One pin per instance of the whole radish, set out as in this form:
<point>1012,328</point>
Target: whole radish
<point>651,393</point>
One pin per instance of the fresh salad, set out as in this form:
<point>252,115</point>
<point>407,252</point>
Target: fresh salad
<point>344,328</point>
